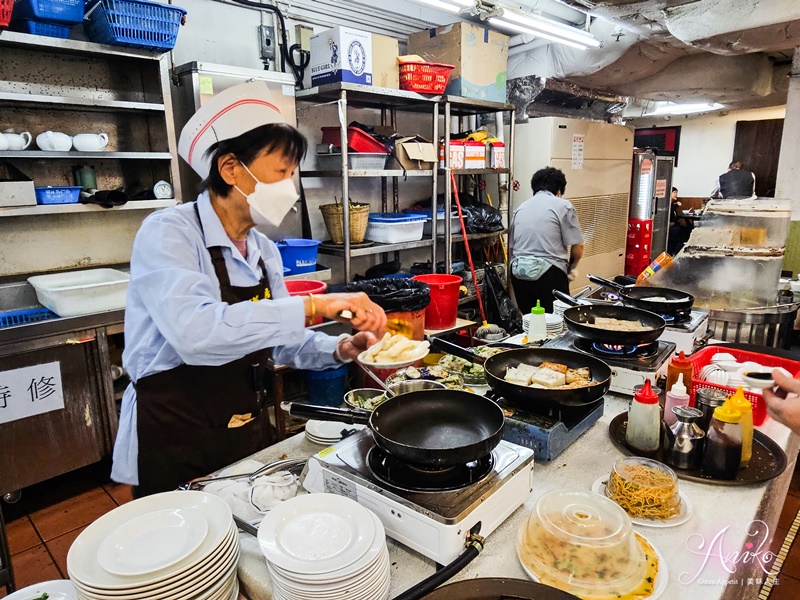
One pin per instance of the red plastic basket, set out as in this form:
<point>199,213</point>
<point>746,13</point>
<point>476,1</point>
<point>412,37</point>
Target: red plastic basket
<point>358,140</point>
<point>701,358</point>
<point>424,77</point>
<point>6,7</point>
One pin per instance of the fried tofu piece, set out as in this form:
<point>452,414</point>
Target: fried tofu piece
<point>578,375</point>
<point>554,367</point>
<point>548,378</point>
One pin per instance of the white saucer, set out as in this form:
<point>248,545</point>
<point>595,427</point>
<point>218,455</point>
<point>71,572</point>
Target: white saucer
<point>687,509</point>
<point>61,589</point>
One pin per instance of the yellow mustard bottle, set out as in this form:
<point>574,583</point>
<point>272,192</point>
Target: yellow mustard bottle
<point>743,405</point>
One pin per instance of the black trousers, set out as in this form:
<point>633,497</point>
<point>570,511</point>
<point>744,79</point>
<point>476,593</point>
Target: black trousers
<point>527,292</point>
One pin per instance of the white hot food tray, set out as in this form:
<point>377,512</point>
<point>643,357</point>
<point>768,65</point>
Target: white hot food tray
<point>81,292</point>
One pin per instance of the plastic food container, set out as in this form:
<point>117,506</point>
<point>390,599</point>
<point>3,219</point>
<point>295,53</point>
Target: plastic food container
<point>68,194</point>
<point>356,161</point>
<point>82,292</point>
<point>440,222</point>
<point>393,228</point>
<point>654,498</point>
<point>582,543</point>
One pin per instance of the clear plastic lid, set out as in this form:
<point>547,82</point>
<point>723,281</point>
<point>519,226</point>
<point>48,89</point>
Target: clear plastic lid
<point>644,488</point>
<point>583,543</point>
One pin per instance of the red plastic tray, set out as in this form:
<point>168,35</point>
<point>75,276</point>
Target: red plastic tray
<point>701,358</point>
<point>357,140</point>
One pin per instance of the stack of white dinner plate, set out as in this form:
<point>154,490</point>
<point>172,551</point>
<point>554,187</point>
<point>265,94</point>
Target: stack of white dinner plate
<point>555,324</point>
<point>327,432</point>
<point>559,307</point>
<point>166,546</point>
<point>325,546</point>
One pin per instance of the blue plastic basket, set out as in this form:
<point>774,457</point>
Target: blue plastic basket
<point>39,28</point>
<point>135,23</point>
<point>327,387</point>
<point>56,11</point>
<point>23,317</point>
<point>58,194</point>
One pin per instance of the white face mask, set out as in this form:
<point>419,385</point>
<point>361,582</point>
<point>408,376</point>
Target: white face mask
<point>270,202</point>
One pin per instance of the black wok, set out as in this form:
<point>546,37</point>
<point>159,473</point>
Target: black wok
<point>579,316</point>
<point>432,428</point>
<point>529,397</point>
<point>639,297</point>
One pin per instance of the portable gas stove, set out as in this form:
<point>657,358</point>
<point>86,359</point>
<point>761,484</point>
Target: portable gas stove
<point>630,366</point>
<point>686,332</point>
<point>548,432</point>
<point>432,512</point>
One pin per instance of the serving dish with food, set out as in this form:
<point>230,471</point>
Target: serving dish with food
<point>394,351</point>
<point>664,301</point>
<point>584,544</point>
<point>452,381</point>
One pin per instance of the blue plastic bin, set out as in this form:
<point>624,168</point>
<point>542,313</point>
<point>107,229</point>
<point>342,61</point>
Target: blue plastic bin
<point>23,317</point>
<point>299,255</point>
<point>134,23</point>
<point>58,194</point>
<point>55,11</point>
<point>37,28</point>
<point>326,388</point>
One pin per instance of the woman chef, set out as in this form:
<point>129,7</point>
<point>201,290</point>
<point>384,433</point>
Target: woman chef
<point>207,303</point>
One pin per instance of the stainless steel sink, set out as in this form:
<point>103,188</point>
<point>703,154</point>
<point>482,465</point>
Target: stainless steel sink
<point>17,296</point>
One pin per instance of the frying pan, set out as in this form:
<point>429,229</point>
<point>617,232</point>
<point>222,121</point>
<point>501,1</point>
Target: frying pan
<point>495,588</point>
<point>579,316</point>
<point>434,428</point>
<point>638,297</point>
<point>529,397</point>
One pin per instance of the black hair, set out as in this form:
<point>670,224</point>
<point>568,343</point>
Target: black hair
<point>550,180</point>
<point>274,137</point>
<point>737,164</point>
<point>674,189</point>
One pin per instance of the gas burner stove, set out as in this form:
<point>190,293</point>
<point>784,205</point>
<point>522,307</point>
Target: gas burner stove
<point>678,319</point>
<point>626,371</point>
<point>410,478</point>
<point>434,523</point>
<point>685,333</point>
<point>613,351</point>
<point>548,432</point>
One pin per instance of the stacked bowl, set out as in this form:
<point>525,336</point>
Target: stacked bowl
<point>165,546</point>
<point>325,546</point>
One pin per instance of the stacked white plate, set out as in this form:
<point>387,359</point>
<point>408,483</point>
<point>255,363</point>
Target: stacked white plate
<point>555,324</point>
<point>171,545</point>
<point>327,432</point>
<point>325,546</point>
<point>559,307</point>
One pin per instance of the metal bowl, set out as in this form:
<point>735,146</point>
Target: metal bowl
<point>415,385</point>
<point>365,393</point>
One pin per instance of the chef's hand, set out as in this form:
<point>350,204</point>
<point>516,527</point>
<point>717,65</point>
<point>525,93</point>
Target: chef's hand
<point>367,316</point>
<point>573,274</point>
<point>783,404</point>
<point>350,347</point>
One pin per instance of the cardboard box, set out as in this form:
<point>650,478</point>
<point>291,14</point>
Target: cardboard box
<point>341,54</point>
<point>480,57</point>
<point>16,188</point>
<point>496,155</point>
<point>385,72</point>
<point>457,156</point>
<point>474,155</point>
<point>415,153</point>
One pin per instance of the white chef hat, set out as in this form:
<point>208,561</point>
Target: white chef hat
<point>227,115</point>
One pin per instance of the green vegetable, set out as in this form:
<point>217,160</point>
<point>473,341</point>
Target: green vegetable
<point>44,596</point>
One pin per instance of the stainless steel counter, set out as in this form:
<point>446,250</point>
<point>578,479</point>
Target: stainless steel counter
<point>721,519</point>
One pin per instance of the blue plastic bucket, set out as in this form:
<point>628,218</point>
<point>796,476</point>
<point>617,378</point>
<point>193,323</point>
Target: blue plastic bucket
<point>299,256</point>
<point>328,386</point>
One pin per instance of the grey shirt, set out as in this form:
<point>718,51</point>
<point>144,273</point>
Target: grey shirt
<point>545,226</point>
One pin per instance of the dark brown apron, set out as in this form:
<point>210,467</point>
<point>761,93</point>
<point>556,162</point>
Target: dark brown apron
<point>183,413</point>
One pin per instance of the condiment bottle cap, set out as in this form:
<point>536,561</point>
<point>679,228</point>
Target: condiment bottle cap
<point>538,309</point>
<point>681,360</point>
<point>728,413</point>
<point>646,395</point>
<point>740,401</point>
<point>678,388</point>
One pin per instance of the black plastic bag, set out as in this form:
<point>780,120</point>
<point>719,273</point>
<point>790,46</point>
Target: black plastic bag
<point>482,218</point>
<point>500,308</point>
<point>394,295</point>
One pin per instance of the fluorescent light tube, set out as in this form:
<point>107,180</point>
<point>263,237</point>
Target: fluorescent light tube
<point>673,108</point>
<point>556,29</point>
<point>441,5</point>
<point>501,22</point>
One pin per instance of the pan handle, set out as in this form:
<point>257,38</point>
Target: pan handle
<point>605,282</point>
<point>444,346</point>
<point>566,298</point>
<point>327,413</point>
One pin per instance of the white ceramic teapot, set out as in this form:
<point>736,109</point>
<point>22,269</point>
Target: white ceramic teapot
<point>90,142</point>
<point>54,141</point>
<point>17,141</point>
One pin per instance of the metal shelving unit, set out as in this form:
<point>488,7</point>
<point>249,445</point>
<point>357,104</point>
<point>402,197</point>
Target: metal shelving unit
<point>389,102</point>
<point>64,209</point>
<point>31,154</point>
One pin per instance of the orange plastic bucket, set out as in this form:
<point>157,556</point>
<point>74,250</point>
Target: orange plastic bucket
<point>304,287</point>
<point>442,312</point>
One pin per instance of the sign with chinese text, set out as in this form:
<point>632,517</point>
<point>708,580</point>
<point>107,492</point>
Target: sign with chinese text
<point>30,391</point>
<point>578,140</point>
